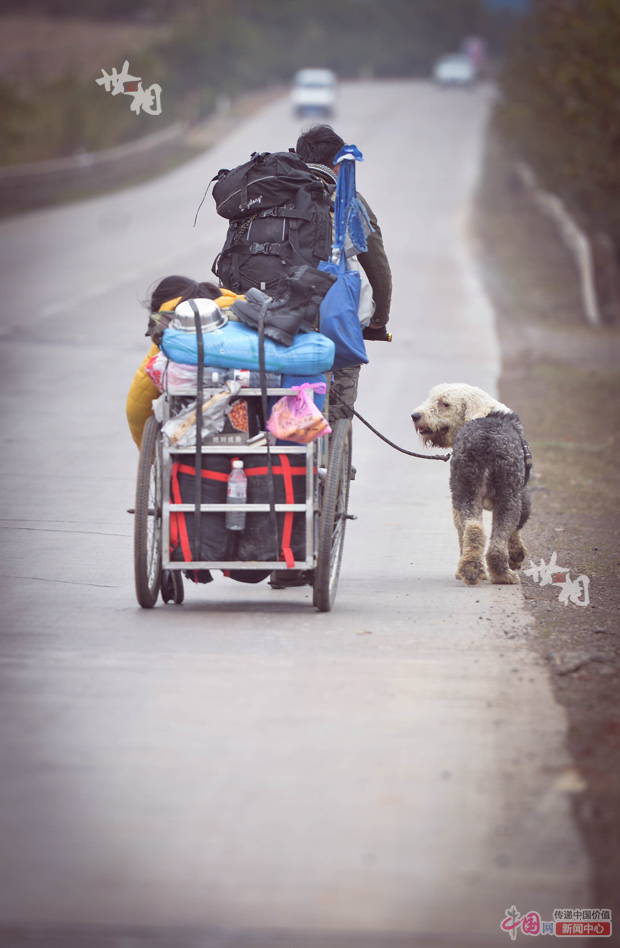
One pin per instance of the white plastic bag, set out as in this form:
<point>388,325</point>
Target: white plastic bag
<point>180,430</point>
<point>366,307</point>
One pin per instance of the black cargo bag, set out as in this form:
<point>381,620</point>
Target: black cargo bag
<point>216,542</point>
<point>256,541</point>
<point>279,215</point>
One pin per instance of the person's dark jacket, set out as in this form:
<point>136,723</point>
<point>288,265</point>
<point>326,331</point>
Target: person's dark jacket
<point>374,260</point>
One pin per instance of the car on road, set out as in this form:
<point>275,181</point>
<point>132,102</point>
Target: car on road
<point>314,92</point>
<point>454,69</point>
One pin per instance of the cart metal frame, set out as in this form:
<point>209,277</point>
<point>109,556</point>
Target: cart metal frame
<point>328,472</point>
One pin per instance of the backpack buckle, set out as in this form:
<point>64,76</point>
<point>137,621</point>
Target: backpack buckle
<point>265,248</point>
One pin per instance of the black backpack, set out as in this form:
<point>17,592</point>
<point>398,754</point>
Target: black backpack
<point>279,215</point>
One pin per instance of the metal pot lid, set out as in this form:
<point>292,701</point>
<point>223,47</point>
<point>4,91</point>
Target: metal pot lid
<point>211,316</point>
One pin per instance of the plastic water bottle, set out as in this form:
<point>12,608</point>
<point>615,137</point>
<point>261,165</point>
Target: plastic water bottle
<point>251,379</point>
<point>248,377</point>
<point>237,493</point>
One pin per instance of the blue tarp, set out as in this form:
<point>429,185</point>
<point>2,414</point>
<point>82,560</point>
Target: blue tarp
<point>237,344</point>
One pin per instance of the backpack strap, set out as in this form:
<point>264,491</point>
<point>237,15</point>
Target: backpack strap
<point>264,248</point>
<point>291,212</point>
<point>293,239</point>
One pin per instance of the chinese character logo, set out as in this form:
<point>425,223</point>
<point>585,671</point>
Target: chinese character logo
<point>121,83</point>
<point>550,574</point>
<point>530,924</point>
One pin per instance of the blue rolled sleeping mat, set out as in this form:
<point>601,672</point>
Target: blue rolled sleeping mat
<point>237,345</point>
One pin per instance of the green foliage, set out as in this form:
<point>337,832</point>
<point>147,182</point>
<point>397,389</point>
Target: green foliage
<point>96,9</point>
<point>15,111</point>
<point>561,105</point>
<point>69,116</point>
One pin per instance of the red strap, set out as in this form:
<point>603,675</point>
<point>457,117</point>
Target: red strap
<point>174,532</point>
<point>178,517</point>
<point>289,497</point>
<point>178,524</point>
<point>287,472</point>
<point>258,471</point>
<point>209,475</point>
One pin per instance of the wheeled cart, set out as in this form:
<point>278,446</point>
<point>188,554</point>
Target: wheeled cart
<point>324,510</point>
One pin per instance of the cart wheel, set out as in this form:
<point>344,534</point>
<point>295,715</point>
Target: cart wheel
<point>147,525</point>
<point>172,586</point>
<point>333,502</point>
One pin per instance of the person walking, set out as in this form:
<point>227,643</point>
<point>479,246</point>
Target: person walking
<point>318,146</point>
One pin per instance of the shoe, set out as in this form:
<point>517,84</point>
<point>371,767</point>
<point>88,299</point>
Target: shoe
<point>198,575</point>
<point>304,288</point>
<point>283,578</point>
<point>280,323</point>
<point>293,308</point>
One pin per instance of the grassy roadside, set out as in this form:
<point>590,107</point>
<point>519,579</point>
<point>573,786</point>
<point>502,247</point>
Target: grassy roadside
<point>563,379</point>
<point>191,143</point>
<point>50,104</point>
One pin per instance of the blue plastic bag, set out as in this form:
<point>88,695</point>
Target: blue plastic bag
<point>339,317</point>
<point>236,344</point>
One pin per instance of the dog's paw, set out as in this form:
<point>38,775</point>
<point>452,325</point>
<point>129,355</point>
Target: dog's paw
<point>471,571</point>
<point>509,578</point>
<point>516,556</point>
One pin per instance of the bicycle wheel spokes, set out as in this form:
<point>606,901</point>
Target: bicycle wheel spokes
<point>147,525</point>
<point>333,516</point>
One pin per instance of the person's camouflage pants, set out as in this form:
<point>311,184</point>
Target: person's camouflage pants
<point>344,384</point>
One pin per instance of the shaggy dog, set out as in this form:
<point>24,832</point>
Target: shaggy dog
<point>489,470</point>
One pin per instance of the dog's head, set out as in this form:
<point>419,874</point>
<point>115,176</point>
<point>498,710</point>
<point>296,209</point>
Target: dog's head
<point>448,407</point>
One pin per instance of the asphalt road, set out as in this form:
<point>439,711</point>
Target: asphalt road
<point>242,770</point>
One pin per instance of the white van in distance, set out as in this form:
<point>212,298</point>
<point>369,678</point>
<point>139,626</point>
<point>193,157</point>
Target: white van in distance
<point>314,92</point>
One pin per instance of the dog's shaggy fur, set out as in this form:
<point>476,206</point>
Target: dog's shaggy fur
<point>489,470</point>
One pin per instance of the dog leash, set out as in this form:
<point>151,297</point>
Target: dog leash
<point>426,457</point>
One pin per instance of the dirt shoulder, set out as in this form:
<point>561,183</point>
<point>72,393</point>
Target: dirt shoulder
<point>563,379</point>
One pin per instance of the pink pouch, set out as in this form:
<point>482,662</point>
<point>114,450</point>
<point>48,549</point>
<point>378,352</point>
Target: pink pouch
<point>296,417</point>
